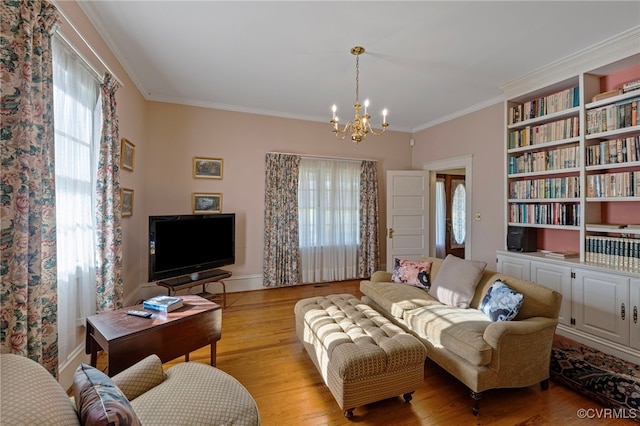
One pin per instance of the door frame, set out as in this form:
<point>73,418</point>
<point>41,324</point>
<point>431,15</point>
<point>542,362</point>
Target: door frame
<point>433,167</point>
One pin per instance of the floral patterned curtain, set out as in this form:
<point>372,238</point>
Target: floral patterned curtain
<point>109,285</point>
<point>281,239</point>
<point>369,250</point>
<point>28,307</point>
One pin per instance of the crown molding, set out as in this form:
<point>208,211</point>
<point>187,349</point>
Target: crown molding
<point>603,53</point>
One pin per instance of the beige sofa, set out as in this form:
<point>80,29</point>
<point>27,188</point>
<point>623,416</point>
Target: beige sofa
<point>480,353</point>
<point>186,394</point>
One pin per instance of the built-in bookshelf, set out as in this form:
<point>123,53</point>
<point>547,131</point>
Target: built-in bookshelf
<point>573,162</point>
<point>543,160</point>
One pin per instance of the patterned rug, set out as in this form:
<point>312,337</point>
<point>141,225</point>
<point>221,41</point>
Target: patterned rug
<point>608,380</point>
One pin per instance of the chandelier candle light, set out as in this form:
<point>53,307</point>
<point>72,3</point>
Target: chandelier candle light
<point>360,125</point>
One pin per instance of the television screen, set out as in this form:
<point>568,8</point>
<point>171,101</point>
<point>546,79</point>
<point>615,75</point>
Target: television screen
<point>187,244</point>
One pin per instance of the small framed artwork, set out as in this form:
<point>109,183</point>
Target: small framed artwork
<point>126,198</point>
<point>207,168</point>
<point>127,154</point>
<point>207,203</point>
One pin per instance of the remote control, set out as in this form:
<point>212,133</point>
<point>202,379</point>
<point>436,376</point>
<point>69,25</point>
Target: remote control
<point>143,314</point>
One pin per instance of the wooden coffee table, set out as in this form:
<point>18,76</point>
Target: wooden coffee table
<point>127,339</point>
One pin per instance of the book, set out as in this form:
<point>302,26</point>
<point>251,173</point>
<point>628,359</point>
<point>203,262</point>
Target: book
<point>163,303</point>
<point>605,225</point>
<point>605,95</point>
<point>562,254</point>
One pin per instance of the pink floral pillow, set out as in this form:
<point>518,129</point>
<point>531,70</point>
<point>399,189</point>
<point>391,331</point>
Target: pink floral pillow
<point>412,273</point>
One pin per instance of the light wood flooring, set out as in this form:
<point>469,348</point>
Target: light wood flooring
<point>259,348</point>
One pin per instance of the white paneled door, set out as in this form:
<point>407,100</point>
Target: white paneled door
<point>407,218</point>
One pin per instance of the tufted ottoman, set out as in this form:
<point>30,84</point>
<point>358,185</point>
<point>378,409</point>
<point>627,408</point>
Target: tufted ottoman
<point>362,356</point>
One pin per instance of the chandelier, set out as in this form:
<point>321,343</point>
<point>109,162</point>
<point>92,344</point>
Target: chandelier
<point>360,125</point>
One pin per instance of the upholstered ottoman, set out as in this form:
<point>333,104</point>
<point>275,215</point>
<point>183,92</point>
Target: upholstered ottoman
<point>362,356</point>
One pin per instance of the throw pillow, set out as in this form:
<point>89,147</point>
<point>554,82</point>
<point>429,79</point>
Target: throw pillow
<point>412,273</point>
<point>99,401</point>
<point>501,303</point>
<point>456,281</point>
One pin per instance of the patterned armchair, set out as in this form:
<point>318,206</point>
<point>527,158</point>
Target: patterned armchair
<point>185,394</point>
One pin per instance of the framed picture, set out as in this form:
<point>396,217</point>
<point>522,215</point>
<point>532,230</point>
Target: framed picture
<point>126,198</point>
<point>207,203</point>
<point>207,168</point>
<point>127,154</point>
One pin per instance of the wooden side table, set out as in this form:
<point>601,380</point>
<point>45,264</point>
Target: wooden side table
<point>127,339</point>
<point>214,276</point>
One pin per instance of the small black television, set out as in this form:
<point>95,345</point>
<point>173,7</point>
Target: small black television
<point>183,245</point>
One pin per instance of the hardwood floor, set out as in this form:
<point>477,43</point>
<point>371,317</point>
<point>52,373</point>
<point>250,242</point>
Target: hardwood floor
<point>260,349</point>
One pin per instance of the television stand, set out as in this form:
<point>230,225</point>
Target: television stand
<point>202,278</point>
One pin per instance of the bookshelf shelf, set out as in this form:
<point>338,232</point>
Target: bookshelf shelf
<point>573,170</point>
<point>625,131</point>
<point>538,225</point>
<point>570,112</point>
<point>634,164</point>
<point>542,200</point>
<point>537,147</point>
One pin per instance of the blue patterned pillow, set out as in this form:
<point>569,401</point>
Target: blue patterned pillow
<point>99,401</point>
<point>501,303</point>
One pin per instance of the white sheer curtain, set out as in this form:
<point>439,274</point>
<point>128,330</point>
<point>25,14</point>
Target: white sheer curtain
<point>328,200</point>
<point>77,133</point>
<point>441,212</point>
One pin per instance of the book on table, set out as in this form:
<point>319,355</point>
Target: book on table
<point>163,303</point>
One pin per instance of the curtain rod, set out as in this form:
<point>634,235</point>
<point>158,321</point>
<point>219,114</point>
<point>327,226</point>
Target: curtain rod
<point>322,156</point>
<point>84,40</point>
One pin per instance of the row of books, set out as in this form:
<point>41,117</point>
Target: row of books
<point>618,252</point>
<point>545,214</point>
<point>621,184</point>
<point>554,131</point>
<point>614,151</point>
<point>558,187</point>
<point>561,158</point>
<point>611,117</point>
<point>545,105</point>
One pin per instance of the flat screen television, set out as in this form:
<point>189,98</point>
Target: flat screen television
<point>185,245</point>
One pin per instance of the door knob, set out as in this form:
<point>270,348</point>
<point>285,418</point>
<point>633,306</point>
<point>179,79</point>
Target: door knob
<point>390,232</point>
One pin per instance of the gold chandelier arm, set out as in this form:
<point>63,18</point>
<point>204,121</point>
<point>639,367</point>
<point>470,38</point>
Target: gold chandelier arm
<point>339,132</point>
<point>384,129</point>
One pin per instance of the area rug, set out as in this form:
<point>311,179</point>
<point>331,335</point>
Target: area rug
<point>613,382</point>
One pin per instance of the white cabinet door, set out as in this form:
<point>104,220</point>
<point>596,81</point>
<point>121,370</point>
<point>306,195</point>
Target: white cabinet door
<point>634,313</point>
<point>557,277</point>
<point>519,268</point>
<point>601,305</point>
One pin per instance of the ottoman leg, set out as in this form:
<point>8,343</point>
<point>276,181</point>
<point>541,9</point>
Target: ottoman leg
<point>408,396</point>
<point>349,413</point>
<point>477,396</point>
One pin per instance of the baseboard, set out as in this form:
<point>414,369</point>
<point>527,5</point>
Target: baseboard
<point>623,352</point>
<point>66,370</point>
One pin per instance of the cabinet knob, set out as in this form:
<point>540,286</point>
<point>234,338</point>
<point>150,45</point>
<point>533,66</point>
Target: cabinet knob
<point>622,312</point>
<point>635,314</point>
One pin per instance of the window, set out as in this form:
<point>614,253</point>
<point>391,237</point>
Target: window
<point>329,221</point>
<point>77,123</point>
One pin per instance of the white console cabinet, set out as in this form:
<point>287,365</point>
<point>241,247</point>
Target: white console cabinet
<point>600,307</point>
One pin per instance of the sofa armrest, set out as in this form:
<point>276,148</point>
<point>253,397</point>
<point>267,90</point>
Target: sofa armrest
<point>381,277</point>
<point>140,377</point>
<point>497,330</point>
<point>521,349</point>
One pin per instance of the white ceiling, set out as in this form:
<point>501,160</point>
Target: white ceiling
<point>426,61</point>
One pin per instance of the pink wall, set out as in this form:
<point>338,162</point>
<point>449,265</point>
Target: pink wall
<point>177,133</point>
<point>481,135</point>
